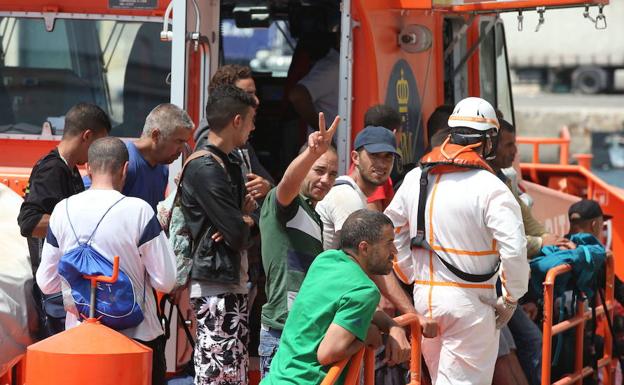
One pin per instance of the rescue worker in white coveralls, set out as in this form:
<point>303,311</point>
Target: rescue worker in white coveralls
<point>468,233</point>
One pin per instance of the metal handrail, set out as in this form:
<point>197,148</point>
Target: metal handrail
<point>563,140</point>
<point>577,322</point>
<point>353,375</point>
<point>15,374</point>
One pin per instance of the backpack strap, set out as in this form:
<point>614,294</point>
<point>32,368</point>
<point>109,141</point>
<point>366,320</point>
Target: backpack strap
<point>96,226</point>
<point>193,156</point>
<point>420,240</point>
<point>343,182</point>
<point>197,154</point>
<point>166,321</point>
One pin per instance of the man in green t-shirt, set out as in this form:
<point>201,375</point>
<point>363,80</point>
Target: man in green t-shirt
<point>331,317</point>
<point>291,232</point>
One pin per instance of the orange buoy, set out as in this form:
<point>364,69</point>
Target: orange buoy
<point>88,354</point>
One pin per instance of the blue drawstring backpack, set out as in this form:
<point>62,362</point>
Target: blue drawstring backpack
<point>116,303</point>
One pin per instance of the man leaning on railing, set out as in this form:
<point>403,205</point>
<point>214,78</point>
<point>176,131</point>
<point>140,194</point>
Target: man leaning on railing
<point>334,314</point>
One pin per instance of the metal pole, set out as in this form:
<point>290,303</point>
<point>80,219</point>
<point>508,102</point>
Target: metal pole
<point>345,82</point>
<point>92,300</point>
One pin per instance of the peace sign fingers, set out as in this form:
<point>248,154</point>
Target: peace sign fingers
<point>329,134</point>
<point>321,124</point>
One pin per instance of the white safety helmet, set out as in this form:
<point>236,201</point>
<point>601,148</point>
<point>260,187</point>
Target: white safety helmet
<point>475,113</point>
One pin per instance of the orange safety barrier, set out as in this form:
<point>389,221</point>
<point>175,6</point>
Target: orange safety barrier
<point>606,363</point>
<point>353,375</point>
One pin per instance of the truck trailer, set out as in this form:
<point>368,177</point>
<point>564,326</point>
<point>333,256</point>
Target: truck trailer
<point>579,49</point>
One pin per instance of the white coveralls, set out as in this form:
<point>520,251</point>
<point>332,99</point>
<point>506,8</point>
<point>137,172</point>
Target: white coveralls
<point>472,221</point>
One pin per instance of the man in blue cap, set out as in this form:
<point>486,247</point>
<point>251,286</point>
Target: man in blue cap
<point>373,157</point>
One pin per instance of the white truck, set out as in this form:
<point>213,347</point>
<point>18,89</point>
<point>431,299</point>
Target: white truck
<point>569,51</point>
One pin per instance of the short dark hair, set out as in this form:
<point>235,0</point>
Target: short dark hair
<point>506,126</point>
<point>383,116</point>
<point>224,103</point>
<point>439,119</point>
<point>229,74</point>
<point>85,116</point>
<point>362,225</point>
<point>107,155</point>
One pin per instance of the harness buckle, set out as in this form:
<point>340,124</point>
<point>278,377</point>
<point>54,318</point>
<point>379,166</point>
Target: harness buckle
<point>418,240</point>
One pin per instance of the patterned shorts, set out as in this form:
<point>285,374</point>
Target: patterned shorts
<point>222,337</point>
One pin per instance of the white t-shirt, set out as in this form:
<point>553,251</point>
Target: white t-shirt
<point>338,204</point>
<point>322,84</point>
<point>129,230</point>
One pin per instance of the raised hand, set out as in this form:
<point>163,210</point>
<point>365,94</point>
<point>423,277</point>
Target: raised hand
<point>319,141</point>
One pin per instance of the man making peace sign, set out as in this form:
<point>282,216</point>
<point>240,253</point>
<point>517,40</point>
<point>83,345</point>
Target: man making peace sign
<point>291,232</point>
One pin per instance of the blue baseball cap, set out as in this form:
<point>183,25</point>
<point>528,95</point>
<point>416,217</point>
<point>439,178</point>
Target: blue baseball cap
<point>376,139</point>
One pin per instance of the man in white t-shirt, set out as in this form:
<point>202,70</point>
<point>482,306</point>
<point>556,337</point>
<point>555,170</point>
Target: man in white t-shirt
<point>129,229</point>
<point>373,157</point>
<point>318,91</point>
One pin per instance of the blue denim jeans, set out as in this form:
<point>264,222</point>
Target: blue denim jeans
<point>528,339</point>
<point>269,342</point>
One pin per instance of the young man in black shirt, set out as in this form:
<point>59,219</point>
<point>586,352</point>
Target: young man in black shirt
<point>216,207</point>
<point>54,178</point>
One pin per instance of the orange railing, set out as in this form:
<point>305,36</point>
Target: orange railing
<point>578,322</point>
<point>355,362</point>
<point>563,141</point>
<point>15,375</point>
<point>582,182</point>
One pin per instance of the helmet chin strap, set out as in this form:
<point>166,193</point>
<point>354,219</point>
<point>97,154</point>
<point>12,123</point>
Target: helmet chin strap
<point>494,140</point>
<point>478,140</point>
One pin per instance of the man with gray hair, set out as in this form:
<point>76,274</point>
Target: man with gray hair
<point>113,225</point>
<point>167,129</point>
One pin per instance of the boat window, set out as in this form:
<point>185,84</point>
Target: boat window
<point>265,50</point>
<point>503,81</point>
<point>455,86</point>
<point>118,65</point>
<point>487,63</point>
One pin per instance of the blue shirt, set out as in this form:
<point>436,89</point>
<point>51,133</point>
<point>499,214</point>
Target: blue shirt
<point>144,181</point>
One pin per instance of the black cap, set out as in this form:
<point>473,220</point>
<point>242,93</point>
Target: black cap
<point>586,209</point>
<point>376,139</point>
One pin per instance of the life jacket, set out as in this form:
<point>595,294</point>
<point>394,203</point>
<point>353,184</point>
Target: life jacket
<point>450,157</point>
<point>445,159</point>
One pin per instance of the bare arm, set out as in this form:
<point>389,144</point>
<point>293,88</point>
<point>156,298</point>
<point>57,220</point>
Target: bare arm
<point>337,345</point>
<point>41,228</point>
<point>392,290</point>
<point>302,101</point>
<point>289,186</point>
<point>397,347</point>
<point>318,143</point>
